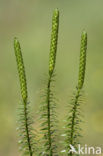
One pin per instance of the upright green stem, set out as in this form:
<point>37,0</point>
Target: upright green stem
<point>74,113</point>
<point>27,128</point>
<point>73,118</point>
<point>48,112</point>
<point>52,61</point>
<point>72,133</point>
<point>24,94</point>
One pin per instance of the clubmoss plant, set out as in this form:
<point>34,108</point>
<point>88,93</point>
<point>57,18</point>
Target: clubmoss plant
<point>48,114</point>
<point>73,120</point>
<point>25,121</point>
<point>48,118</point>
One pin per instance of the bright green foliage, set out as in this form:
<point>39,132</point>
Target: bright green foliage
<point>73,120</point>
<point>25,121</point>
<point>48,144</point>
<point>73,129</point>
<point>27,139</point>
<point>82,63</point>
<point>48,105</point>
<point>54,40</point>
<point>49,120</point>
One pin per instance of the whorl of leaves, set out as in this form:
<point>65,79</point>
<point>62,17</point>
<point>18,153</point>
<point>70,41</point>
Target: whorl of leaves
<point>49,120</point>
<point>73,130</point>
<point>48,117</point>
<point>73,120</point>
<point>25,130</point>
<point>25,121</point>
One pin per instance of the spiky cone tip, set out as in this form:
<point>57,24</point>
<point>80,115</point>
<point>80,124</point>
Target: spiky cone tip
<point>21,69</point>
<point>54,40</point>
<point>82,63</point>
